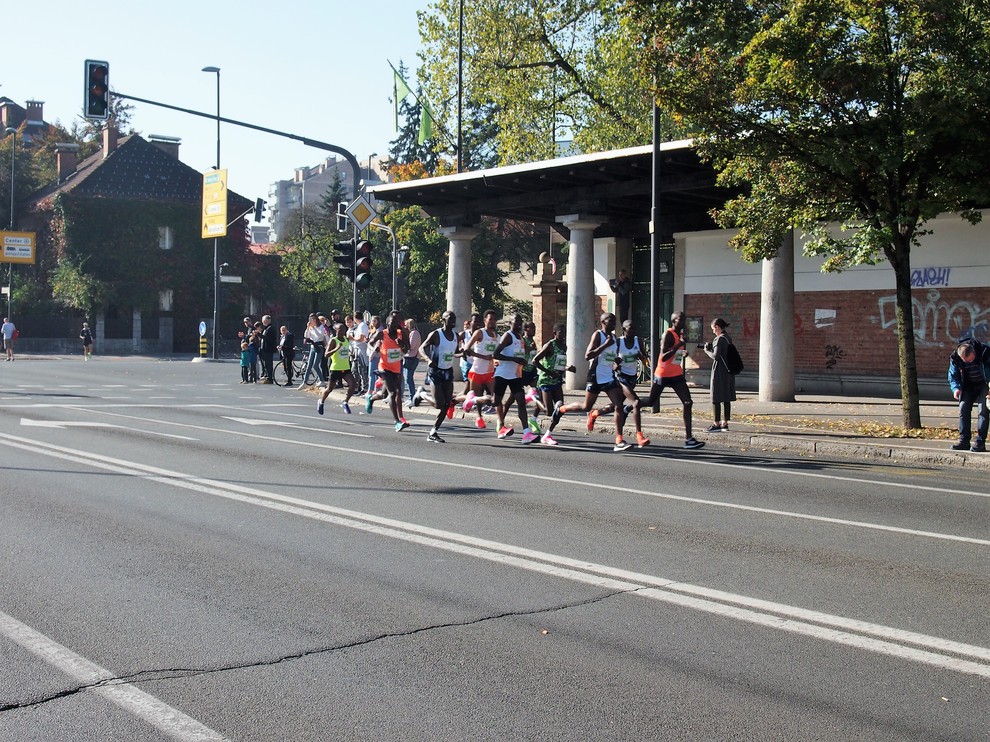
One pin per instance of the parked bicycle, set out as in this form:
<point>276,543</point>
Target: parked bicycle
<point>298,369</point>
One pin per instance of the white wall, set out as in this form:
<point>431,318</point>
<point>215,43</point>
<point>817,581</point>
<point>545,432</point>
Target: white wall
<point>956,254</point>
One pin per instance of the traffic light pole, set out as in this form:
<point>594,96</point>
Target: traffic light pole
<point>351,159</point>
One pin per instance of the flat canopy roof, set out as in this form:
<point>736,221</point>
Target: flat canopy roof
<point>616,184</point>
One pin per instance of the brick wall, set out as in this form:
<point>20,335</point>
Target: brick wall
<point>854,332</point>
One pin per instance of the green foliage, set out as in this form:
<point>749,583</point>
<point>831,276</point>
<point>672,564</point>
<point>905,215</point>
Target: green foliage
<point>544,71</point>
<point>75,289</point>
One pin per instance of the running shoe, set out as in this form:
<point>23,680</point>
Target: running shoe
<point>401,425</point>
<point>378,384</point>
<point>434,437</point>
<point>556,414</point>
<point>505,431</point>
<point>725,427</point>
<point>692,443</point>
<point>319,407</point>
<point>450,412</point>
<point>548,440</point>
<point>592,416</point>
<point>416,398</point>
<point>641,440</point>
<point>534,426</point>
<point>715,428</point>
<point>531,396</point>
<point>468,402</point>
<point>620,444</point>
<point>628,408</point>
<point>480,423</point>
<point>489,410</point>
<point>346,408</point>
<point>528,437</point>
<point>368,405</point>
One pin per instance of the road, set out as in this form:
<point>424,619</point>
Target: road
<point>186,557</point>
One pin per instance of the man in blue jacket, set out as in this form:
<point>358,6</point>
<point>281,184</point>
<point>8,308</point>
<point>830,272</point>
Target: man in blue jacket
<point>969,379</point>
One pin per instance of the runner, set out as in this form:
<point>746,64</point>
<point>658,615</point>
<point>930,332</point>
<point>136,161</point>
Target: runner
<point>339,354</point>
<point>529,376</point>
<point>671,373</point>
<point>550,375</point>
<point>630,355</point>
<point>392,347</point>
<point>481,348</point>
<point>438,350</point>
<point>510,355</point>
<point>602,352</point>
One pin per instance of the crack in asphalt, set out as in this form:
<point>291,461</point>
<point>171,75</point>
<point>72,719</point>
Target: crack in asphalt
<point>173,673</point>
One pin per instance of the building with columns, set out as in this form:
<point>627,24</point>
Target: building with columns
<point>797,328</point>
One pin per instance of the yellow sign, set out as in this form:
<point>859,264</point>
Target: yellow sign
<point>215,203</point>
<point>17,247</point>
<point>361,212</point>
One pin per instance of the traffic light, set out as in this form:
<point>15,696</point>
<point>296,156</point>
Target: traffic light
<point>342,220</point>
<point>362,264</point>
<point>345,260</point>
<point>96,98</point>
<point>259,209</point>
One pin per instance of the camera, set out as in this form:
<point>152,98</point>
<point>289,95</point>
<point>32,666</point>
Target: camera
<point>700,345</point>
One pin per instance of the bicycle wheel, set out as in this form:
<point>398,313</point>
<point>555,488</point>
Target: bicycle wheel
<point>280,378</point>
<point>299,369</point>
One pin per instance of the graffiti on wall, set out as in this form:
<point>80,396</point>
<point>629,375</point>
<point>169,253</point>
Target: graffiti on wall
<point>926,277</point>
<point>937,322</point>
<point>833,354</point>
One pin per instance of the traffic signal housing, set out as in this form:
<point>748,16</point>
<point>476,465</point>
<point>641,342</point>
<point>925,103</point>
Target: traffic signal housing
<point>362,264</point>
<point>259,209</point>
<point>96,97</point>
<point>342,218</point>
<point>345,259</point>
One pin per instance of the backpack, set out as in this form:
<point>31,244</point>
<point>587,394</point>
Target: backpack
<point>733,361</point>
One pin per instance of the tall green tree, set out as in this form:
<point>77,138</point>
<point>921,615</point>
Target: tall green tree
<point>867,114</point>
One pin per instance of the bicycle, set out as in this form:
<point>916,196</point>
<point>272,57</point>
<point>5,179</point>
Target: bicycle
<point>298,369</point>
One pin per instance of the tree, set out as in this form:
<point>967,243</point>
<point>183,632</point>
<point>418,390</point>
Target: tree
<point>546,70</point>
<point>866,114</point>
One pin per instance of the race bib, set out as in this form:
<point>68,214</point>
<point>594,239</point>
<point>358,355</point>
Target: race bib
<point>393,355</point>
<point>559,362</point>
<point>447,357</point>
<point>490,347</point>
<point>608,357</point>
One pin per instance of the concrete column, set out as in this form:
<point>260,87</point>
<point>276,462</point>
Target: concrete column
<point>136,331</point>
<point>776,373</point>
<point>459,269</point>
<point>581,320</point>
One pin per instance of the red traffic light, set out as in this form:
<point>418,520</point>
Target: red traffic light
<point>96,95</point>
<point>362,264</point>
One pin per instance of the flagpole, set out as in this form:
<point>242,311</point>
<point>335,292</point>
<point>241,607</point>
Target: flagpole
<point>460,82</point>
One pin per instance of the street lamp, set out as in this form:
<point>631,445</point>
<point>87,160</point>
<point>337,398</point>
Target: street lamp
<point>373,154</point>
<point>216,240</point>
<point>10,275</point>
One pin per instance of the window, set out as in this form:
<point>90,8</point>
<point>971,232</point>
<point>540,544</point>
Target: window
<point>165,301</point>
<point>165,238</point>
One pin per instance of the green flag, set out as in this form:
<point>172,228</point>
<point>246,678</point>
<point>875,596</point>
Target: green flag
<point>425,124</point>
<point>399,92</point>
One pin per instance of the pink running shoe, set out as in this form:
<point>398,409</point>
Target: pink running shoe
<point>548,440</point>
<point>505,431</point>
<point>528,437</point>
<point>468,402</point>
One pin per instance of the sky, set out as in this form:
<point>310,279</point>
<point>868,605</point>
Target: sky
<point>316,68</point>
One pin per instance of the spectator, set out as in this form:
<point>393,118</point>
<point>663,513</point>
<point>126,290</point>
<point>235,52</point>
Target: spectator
<point>622,286</point>
<point>287,351</point>
<point>9,332</point>
<point>411,359</point>
<point>269,344</point>
<point>969,376</point>
<point>359,342</point>
<point>316,339</point>
<point>723,384</point>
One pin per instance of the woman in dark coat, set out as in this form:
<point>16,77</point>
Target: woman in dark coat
<point>723,385</point>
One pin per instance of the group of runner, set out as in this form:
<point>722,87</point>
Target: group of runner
<point>493,364</point>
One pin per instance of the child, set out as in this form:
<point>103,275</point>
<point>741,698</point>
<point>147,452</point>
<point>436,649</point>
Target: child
<point>245,362</point>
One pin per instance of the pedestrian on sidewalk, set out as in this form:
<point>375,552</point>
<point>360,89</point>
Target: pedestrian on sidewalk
<point>969,379</point>
<point>9,332</point>
<point>723,383</point>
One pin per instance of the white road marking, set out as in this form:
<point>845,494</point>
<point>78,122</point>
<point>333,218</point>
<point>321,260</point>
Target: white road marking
<point>292,426</point>
<point>842,630</point>
<point>169,720</point>
<point>62,424</point>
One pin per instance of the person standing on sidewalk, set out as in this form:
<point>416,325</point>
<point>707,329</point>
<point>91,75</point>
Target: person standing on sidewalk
<point>969,377</point>
<point>315,337</point>
<point>410,361</point>
<point>8,331</point>
<point>671,373</point>
<point>269,345</point>
<point>359,344</point>
<point>723,383</point>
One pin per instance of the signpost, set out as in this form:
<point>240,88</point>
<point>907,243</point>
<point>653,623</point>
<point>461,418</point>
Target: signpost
<point>17,247</point>
<point>215,203</point>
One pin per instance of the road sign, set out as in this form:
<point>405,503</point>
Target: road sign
<point>361,212</point>
<point>230,279</point>
<point>17,247</point>
<point>215,203</point>
<point>202,329</point>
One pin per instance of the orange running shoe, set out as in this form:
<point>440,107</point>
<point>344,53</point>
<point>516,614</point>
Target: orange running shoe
<point>641,440</point>
<point>592,416</point>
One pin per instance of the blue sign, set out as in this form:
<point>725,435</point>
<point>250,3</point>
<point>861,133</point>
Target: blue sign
<point>202,329</point>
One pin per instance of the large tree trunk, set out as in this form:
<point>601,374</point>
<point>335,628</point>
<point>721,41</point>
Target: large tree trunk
<point>900,258</point>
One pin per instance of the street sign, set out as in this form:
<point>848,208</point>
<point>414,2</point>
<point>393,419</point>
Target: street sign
<point>361,212</point>
<point>230,279</point>
<point>17,247</point>
<point>215,203</point>
<point>202,329</point>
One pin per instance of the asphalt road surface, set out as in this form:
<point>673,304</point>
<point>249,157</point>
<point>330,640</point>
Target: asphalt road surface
<point>187,557</point>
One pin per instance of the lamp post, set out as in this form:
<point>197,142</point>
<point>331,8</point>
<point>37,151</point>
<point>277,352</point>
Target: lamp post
<point>10,275</point>
<point>373,154</point>
<point>216,240</point>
